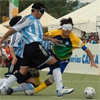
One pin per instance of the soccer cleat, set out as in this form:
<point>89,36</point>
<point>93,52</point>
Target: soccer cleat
<point>9,91</point>
<point>64,91</point>
<point>2,89</point>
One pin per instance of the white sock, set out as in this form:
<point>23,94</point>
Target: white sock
<point>20,88</point>
<point>2,81</point>
<point>10,81</point>
<point>58,78</point>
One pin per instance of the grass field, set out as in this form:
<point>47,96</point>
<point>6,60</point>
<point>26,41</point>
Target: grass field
<point>78,81</point>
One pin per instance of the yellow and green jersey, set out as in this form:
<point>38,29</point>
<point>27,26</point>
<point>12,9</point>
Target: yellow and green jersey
<point>64,51</point>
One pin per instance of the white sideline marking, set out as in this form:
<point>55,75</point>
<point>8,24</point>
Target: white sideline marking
<point>79,81</point>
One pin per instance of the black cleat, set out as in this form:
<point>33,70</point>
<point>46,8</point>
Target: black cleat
<point>9,91</point>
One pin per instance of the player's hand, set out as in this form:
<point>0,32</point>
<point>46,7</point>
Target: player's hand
<point>14,60</point>
<point>94,65</point>
<point>56,41</point>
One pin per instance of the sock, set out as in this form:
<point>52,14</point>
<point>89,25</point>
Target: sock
<point>58,78</point>
<point>10,81</point>
<point>22,87</point>
<point>2,81</point>
<point>40,87</point>
<point>38,81</point>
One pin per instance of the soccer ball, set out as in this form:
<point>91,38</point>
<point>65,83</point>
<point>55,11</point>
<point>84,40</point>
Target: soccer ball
<point>89,92</point>
<point>30,90</point>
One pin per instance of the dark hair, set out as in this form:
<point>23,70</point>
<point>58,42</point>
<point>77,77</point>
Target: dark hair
<point>66,21</point>
<point>14,20</point>
<point>37,5</point>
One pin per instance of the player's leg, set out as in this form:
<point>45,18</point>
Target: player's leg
<point>27,79</point>
<point>44,85</point>
<point>24,86</point>
<point>65,90</point>
<point>13,78</point>
<point>36,75</point>
<point>2,80</point>
<point>56,73</point>
<point>43,57</point>
<point>21,88</point>
<point>20,75</point>
<point>50,81</point>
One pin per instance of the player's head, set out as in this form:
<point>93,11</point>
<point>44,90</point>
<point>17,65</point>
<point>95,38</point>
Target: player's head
<point>65,21</point>
<point>14,20</point>
<point>38,9</point>
<point>67,25</point>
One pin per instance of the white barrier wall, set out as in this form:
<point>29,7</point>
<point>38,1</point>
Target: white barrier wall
<point>80,63</point>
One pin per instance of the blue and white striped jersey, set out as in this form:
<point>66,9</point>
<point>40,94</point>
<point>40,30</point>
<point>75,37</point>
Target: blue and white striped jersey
<point>18,43</point>
<point>30,28</point>
<point>47,44</point>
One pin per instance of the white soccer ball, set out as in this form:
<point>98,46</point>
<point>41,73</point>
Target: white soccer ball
<point>89,92</point>
<point>30,89</point>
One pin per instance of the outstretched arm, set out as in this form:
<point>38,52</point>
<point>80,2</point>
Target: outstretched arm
<point>7,34</point>
<point>90,55</point>
<point>51,39</point>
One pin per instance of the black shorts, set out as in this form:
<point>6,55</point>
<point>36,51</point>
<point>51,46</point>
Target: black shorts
<point>16,68</point>
<point>34,55</point>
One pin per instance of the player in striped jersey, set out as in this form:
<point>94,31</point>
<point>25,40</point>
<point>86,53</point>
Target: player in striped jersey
<point>34,53</point>
<point>16,47</point>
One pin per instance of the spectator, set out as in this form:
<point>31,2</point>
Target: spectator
<point>96,38</point>
<point>89,40</point>
<point>4,56</point>
<point>93,40</point>
<point>84,39</point>
<point>98,41</point>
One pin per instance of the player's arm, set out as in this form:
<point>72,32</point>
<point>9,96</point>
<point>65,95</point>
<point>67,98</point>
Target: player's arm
<point>24,22</point>
<point>90,55</point>
<point>7,34</point>
<point>47,36</point>
<point>14,59</point>
<point>80,44</point>
<point>15,39</point>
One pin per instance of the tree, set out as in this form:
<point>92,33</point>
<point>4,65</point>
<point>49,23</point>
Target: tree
<point>56,8</point>
<point>4,9</point>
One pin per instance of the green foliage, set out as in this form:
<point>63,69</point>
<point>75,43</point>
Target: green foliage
<point>4,8</point>
<point>56,8</point>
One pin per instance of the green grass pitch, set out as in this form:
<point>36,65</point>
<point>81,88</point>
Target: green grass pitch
<point>78,81</point>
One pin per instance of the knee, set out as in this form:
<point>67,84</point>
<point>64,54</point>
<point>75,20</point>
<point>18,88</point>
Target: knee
<point>34,72</point>
<point>24,70</point>
<point>19,76</point>
<point>52,61</point>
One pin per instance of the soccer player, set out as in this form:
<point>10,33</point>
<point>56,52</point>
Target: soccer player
<point>62,52</point>
<point>34,54</point>
<point>16,47</point>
